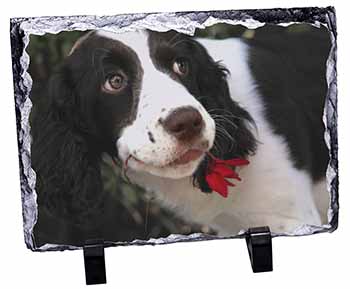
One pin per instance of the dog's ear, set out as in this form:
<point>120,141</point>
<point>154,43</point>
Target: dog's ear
<point>234,125</point>
<point>69,102</point>
<point>67,167</point>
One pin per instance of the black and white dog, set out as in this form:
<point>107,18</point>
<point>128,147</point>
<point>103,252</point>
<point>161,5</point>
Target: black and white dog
<point>159,102</point>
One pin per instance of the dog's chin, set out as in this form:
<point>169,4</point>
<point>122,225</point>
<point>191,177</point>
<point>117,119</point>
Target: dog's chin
<point>182,167</point>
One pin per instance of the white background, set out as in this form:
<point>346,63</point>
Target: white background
<point>320,261</point>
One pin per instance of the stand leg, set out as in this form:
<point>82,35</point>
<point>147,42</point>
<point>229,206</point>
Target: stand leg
<point>259,243</point>
<point>94,260</point>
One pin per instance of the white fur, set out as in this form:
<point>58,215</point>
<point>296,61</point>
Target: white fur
<point>322,199</point>
<point>156,104</point>
<point>272,192</point>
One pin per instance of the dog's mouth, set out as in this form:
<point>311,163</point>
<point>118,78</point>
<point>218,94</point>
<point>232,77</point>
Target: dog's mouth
<point>181,162</point>
<point>188,156</point>
<point>185,158</point>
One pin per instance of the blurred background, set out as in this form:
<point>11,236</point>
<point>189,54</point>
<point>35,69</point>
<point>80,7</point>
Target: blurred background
<point>140,217</point>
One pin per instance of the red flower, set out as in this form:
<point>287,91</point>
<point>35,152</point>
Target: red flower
<point>219,170</point>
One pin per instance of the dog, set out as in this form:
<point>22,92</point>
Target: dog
<point>163,104</point>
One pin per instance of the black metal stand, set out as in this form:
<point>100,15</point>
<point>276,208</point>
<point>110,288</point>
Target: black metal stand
<point>94,260</point>
<point>259,243</point>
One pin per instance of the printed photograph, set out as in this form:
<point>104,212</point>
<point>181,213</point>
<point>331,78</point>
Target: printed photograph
<point>141,135</point>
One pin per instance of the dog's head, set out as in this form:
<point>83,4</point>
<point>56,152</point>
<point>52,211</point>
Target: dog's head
<point>158,102</point>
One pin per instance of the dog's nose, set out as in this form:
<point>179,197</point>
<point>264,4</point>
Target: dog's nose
<point>185,123</point>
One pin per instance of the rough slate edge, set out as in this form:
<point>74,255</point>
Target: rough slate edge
<point>185,22</point>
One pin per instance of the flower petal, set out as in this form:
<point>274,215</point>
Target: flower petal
<point>222,170</point>
<point>217,183</point>
<point>233,175</point>
<point>228,183</point>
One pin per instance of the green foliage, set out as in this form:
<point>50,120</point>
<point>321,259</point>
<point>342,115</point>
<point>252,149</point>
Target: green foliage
<point>47,51</point>
<point>221,31</point>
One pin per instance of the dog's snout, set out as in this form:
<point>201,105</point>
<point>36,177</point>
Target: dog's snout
<point>185,123</point>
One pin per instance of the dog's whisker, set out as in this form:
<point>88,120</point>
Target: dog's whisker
<point>229,116</point>
<point>224,112</point>
<point>219,119</point>
<point>223,130</point>
<point>224,133</point>
<point>225,136</point>
<point>221,109</point>
<point>220,136</point>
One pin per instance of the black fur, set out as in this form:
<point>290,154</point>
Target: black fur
<point>290,70</point>
<point>73,122</point>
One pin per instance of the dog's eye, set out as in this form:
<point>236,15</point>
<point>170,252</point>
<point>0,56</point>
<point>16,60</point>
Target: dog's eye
<point>114,83</point>
<point>181,66</point>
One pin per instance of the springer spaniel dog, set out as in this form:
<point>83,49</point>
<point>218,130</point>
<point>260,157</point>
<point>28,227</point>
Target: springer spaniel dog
<point>163,104</point>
